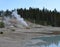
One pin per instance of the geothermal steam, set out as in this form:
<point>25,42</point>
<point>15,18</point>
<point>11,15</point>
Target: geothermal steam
<point>19,18</point>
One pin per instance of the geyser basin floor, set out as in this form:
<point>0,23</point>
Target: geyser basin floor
<point>23,37</point>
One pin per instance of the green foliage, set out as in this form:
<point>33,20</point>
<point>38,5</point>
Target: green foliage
<point>1,25</point>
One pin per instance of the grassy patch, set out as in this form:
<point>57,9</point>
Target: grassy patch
<point>2,25</point>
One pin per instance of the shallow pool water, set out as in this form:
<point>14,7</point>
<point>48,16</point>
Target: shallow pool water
<point>52,41</point>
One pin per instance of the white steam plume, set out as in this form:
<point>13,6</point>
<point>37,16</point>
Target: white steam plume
<point>19,18</point>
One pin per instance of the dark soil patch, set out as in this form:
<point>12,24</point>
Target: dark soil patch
<point>56,32</point>
<point>1,32</point>
<point>47,33</point>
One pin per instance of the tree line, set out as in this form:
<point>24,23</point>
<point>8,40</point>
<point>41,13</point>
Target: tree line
<point>38,16</point>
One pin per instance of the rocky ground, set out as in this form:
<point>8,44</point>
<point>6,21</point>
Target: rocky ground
<point>19,37</point>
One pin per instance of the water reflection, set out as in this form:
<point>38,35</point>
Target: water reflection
<point>53,41</point>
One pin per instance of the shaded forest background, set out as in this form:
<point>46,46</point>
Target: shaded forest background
<point>44,17</point>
